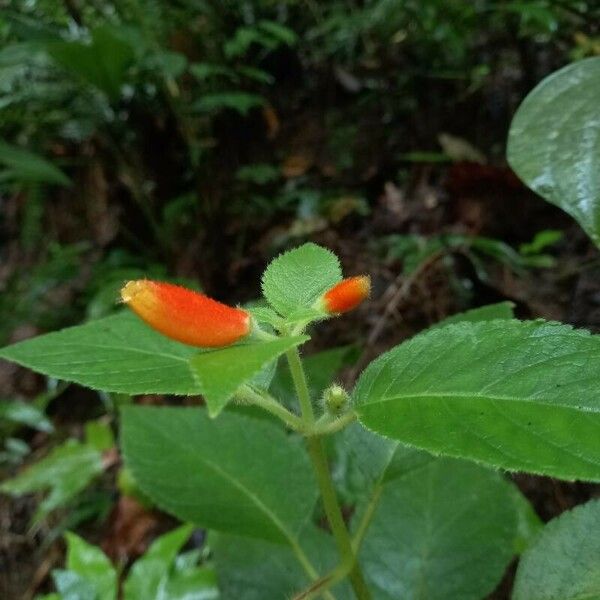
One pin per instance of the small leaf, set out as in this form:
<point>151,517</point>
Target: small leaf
<point>516,395</point>
<point>66,471</point>
<point>295,279</point>
<point>25,414</point>
<point>150,572</point>
<point>564,562</point>
<point>91,564</point>
<point>25,166</point>
<point>241,102</point>
<point>225,476</point>
<point>443,532</point>
<point>72,586</point>
<point>103,63</point>
<point>220,372</point>
<point>554,142</point>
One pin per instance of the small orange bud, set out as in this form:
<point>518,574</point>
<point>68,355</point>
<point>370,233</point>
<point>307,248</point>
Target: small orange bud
<point>185,315</point>
<point>347,294</point>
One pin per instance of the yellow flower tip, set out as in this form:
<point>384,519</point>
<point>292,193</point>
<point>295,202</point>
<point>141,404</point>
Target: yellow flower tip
<point>132,289</point>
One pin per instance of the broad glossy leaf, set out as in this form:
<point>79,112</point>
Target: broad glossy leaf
<point>295,279</point>
<point>444,531</point>
<point>238,474</point>
<point>220,372</point>
<point>261,570</point>
<point>554,142</point>
<point>517,395</point>
<point>91,564</point>
<point>150,573</point>
<point>564,561</point>
<point>66,471</point>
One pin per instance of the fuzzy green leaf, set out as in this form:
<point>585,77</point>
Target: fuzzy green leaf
<point>564,562</point>
<point>295,279</point>
<point>443,532</point>
<point>220,372</point>
<point>259,570</point>
<point>116,354</point>
<point>516,395</point>
<point>122,354</point>
<point>554,142</point>
<point>225,476</point>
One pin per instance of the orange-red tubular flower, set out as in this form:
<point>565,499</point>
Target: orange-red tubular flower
<point>347,294</point>
<point>185,315</point>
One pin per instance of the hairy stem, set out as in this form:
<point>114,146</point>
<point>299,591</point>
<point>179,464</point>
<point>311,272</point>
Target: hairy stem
<point>318,457</point>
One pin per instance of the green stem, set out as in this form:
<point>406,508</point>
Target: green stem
<point>318,457</point>
<point>366,518</point>
<point>299,378</point>
<point>334,516</point>
<point>246,394</point>
<point>326,427</point>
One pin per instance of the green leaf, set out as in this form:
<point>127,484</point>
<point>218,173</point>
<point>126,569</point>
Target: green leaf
<point>199,583</point>
<point>443,532</point>
<point>220,372</point>
<point>516,395</point>
<point>150,573</point>
<point>528,522</point>
<point>490,312</point>
<point>103,63</point>
<point>92,565</point>
<point>260,570</point>
<point>241,102</point>
<point>564,562</point>
<point>295,279</point>
<point>25,166</point>
<point>554,142</point>
<point>66,471</point>
<point>122,354</point>
<point>25,414</point>
<point>115,354</point>
<point>72,586</point>
<point>99,435</point>
<point>225,476</point>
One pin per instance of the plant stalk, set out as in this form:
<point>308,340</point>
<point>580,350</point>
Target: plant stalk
<point>318,457</point>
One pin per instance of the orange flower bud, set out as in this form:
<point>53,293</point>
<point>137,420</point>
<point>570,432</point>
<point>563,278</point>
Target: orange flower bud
<point>185,315</point>
<point>347,294</point>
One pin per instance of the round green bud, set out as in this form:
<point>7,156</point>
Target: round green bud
<point>336,400</point>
